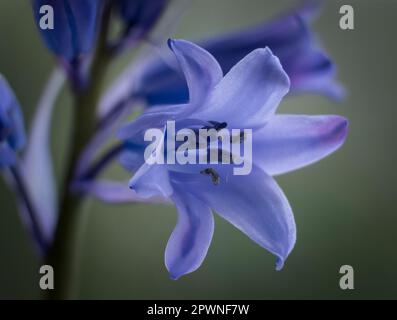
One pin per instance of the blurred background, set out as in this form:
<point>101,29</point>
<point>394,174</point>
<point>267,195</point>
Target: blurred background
<point>345,206</point>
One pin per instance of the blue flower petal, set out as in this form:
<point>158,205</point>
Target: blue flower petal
<point>202,73</point>
<point>315,73</point>
<point>293,42</point>
<point>191,238</point>
<point>249,94</point>
<point>289,142</point>
<point>115,192</point>
<point>37,163</point>
<point>152,180</point>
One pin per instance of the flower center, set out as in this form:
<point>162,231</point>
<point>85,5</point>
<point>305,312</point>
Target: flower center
<point>215,178</point>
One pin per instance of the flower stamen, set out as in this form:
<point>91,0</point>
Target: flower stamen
<point>213,174</point>
<point>216,125</point>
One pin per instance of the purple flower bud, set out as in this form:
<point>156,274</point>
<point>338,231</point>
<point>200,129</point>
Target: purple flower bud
<point>68,27</point>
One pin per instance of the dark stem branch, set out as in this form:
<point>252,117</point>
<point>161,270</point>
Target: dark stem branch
<point>64,253</point>
<point>100,165</point>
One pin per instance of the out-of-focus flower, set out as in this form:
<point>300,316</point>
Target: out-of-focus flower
<point>155,80</point>
<point>140,16</point>
<point>290,39</point>
<point>12,132</point>
<point>12,140</point>
<point>245,98</point>
<point>75,26</point>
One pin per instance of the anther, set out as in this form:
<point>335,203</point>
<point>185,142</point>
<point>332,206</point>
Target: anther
<point>214,175</point>
<point>216,125</point>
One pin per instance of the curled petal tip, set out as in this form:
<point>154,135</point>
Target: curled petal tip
<point>170,42</point>
<point>174,276</point>
<point>279,264</point>
<point>132,184</point>
<point>278,61</point>
<point>340,129</point>
<point>175,44</point>
<point>176,272</point>
<point>266,50</point>
<point>269,56</point>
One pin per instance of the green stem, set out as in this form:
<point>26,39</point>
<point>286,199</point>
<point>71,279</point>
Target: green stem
<point>64,253</point>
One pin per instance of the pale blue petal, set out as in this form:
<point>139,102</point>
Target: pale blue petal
<point>289,142</point>
<point>154,118</point>
<point>115,192</point>
<point>151,181</point>
<point>249,94</point>
<point>191,238</point>
<point>37,165</point>
<point>202,72</point>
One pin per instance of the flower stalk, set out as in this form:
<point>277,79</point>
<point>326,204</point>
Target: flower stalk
<point>64,253</point>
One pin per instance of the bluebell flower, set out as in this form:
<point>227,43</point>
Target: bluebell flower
<point>12,132</point>
<point>75,26</point>
<point>247,97</point>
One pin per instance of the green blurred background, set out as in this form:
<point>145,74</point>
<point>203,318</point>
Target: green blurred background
<point>345,206</point>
